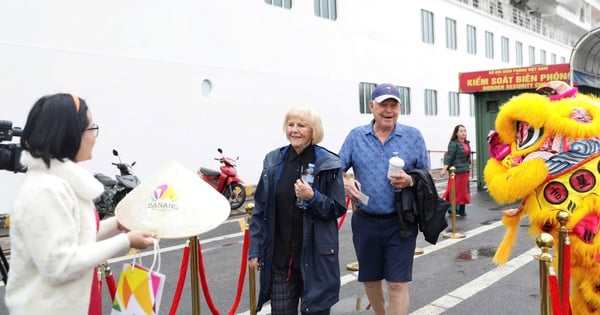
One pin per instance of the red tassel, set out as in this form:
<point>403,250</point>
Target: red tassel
<point>112,286</point>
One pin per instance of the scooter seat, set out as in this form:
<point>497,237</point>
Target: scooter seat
<point>209,172</point>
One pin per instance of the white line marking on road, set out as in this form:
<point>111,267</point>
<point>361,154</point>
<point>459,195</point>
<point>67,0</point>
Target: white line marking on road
<point>345,279</point>
<point>348,278</point>
<point>176,247</point>
<point>428,249</point>
<point>451,241</point>
<point>482,282</point>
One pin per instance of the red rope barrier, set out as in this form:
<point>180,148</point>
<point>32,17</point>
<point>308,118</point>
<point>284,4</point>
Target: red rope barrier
<point>554,294</point>
<point>205,291</point>
<point>566,285</point>
<point>243,268</point>
<point>181,281</point>
<point>343,217</point>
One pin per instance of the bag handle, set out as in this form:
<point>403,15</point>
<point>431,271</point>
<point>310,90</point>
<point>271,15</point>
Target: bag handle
<point>156,257</point>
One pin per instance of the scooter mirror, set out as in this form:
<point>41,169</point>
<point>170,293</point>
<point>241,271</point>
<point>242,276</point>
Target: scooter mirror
<point>220,151</point>
<point>115,153</point>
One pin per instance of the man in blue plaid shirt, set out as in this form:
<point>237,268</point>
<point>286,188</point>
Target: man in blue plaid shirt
<point>381,251</point>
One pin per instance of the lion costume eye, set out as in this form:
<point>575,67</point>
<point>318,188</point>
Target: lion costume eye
<point>526,135</point>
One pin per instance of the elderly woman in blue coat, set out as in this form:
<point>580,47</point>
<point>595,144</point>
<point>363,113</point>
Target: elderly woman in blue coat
<point>295,247</point>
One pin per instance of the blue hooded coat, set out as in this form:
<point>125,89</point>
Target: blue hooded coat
<point>319,260</point>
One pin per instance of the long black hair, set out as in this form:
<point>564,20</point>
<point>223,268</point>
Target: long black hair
<point>54,127</point>
<point>454,133</point>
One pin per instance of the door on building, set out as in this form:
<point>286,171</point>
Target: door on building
<point>487,106</point>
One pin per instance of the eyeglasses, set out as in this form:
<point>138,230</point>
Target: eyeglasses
<point>96,129</point>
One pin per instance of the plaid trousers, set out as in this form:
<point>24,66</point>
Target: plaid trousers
<point>286,291</point>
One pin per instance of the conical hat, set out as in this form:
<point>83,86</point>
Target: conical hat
<point>174,203</point>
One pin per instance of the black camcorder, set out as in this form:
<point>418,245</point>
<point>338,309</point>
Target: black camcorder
<point>10,153</point>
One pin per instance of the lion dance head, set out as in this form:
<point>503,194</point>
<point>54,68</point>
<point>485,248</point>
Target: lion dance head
<point>545,153</point>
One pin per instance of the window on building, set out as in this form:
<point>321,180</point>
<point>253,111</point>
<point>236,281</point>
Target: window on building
<point>531,55</point>
<point>553,58</point>
<point>471,105</point>
<point>450,34</point>
<point>505,49</point>
<point>431,107</point>
<point>364,94</point>
<point>563,59</point>
<point>427,27</point>
<point>471,40</point>
<point>287,4</point>
<point>492,106</point>
<point>453,104</point>
<point>542,56</point>
<point>326,9</point>
<point>519,53</point>
<point>405,109</point>
<point>365,90</point>
<point>489,45</point>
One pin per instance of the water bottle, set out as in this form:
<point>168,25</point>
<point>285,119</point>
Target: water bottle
<point>308,175</point>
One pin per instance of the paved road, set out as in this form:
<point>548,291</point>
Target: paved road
<point>456,276</point>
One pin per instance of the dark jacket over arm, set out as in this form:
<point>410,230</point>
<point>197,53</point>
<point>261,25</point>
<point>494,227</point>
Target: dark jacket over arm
<point>430,208</point>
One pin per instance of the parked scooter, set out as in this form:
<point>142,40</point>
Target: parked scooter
<point>115,190</point>
<point>226,181</point>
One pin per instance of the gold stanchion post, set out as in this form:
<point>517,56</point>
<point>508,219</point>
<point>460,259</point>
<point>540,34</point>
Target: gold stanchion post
<point>545,242</point>
<point>453,234</point>
<point>251,272</point>
<point>194,274</point>
<point>353,266</point>
<point>563,233</point>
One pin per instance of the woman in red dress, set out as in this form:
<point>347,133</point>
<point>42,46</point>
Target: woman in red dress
<point>459,156</point>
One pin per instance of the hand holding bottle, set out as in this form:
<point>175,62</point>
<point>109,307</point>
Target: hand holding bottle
<point>303,186</point>
<point>303,190</point>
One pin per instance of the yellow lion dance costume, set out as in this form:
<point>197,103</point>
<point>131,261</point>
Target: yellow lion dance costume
<point>545,152</point>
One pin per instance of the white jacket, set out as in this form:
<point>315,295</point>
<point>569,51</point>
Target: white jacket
<point>54,244</point>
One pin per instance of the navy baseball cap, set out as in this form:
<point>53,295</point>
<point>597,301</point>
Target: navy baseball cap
<point>384,91</point>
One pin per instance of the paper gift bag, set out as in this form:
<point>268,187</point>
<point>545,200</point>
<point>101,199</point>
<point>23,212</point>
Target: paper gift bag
<point>140,289</point>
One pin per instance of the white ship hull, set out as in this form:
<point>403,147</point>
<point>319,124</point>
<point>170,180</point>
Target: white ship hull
<point>140,65</point>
